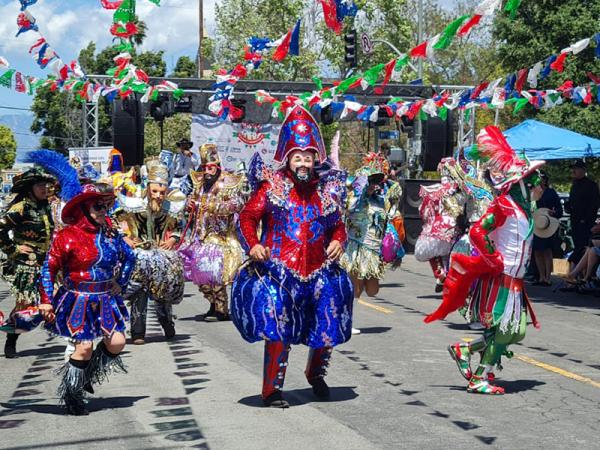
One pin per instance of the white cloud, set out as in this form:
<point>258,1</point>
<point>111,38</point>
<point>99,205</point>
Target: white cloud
<point>172,27</point>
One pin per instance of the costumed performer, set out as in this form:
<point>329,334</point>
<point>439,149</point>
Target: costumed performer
<point>214,254</point>
<point>152,225</point>
<point>25,233</point>
<point>441,209</point>
<point>95,263</point>
<point>502,240</point>
<point>374,222</point>
<point>294,292</point>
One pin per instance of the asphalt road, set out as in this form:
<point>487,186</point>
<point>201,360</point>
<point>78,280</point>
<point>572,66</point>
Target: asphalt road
<point>394,386</point>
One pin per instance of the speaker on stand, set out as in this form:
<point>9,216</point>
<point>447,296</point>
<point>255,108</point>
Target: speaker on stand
<point>411,201</point>
<point>128,130</point>
<point>438,141</point>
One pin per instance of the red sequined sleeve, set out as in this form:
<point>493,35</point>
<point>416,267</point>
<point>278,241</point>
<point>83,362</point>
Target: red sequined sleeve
<point>250,217</point>
<point>51,267</point>
<point>339,232</point>
<point>479,235</point>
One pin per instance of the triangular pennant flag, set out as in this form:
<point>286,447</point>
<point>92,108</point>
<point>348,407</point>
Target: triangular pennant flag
<point>466,28</point>
<point>370,77</point>
<point>521,77</point>
<point>532,76</point>
<point>559,63</point>
<point>449,32</point>
<point>389,70</point>
<point>420,51</point>
<point>511,7</point>
<point>487,7</point>
<point>6,78</point>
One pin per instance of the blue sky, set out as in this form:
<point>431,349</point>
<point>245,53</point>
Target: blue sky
<point>68,25</point>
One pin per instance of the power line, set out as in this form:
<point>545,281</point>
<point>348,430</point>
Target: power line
<point>16,108</point>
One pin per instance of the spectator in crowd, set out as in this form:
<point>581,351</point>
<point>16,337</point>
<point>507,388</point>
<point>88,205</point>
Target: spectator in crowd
<point>584,200</point>
<point>548,203</point>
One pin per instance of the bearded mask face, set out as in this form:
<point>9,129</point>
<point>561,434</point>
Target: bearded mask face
<point>156,196</point>
<point>301,164</point>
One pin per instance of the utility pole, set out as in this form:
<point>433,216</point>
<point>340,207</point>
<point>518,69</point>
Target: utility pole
<point>418,125</point>
<point>200,36</point>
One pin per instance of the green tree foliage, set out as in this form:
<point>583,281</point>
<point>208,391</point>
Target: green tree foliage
<point>185,68</point>
<point>8,147</point>
<point>542,29</point>
<point>57,116</point>
<point>175,128</point>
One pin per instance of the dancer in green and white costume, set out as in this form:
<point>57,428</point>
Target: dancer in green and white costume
<point>502,239</point>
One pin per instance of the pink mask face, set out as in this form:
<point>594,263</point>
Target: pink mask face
<point>302,163</point>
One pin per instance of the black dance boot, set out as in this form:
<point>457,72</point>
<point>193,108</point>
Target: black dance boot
<point>102,364</point>
<point>10,346</point>
<point>70,392</point>
<point>316,369</point>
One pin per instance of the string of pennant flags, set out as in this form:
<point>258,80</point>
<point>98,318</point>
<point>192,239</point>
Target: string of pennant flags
<point>222,106</point>
<point>488,94</point>
<point>126,78</point>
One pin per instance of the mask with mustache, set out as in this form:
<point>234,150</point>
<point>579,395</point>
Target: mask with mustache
<point>303,174</point>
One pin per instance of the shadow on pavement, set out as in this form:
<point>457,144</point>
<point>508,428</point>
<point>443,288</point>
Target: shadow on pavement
<point>305,396</point>
<point>160,338</point>
<point>95,404</point>
<point>375,330</point>
<point>388,285</point>
<point>570,299</point>
<point>56,349</point>
<point>430,297</point>
<point>516,386</point>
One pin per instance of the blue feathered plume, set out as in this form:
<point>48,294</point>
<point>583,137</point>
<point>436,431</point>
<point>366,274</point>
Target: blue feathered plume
<point>57,165</point>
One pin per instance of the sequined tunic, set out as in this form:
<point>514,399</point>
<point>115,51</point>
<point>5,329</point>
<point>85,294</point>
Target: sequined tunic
<point>91,261</point>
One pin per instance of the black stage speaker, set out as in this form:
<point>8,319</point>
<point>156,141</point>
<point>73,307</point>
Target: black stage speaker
<point>410,197</point>
<point>412,228</point>
<point>438,141</point>
<point>128,130</point>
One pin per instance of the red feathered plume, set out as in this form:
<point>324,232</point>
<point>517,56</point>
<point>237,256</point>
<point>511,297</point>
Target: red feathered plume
<point>495,150</point>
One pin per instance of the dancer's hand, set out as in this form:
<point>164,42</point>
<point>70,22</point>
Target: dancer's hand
<point>131,242</point>
<point>24,249</point>
<point>47,312</point>
<point>168,244</point>
<point>115,288</point>
<point>335,250</point>
<point>260,253</point>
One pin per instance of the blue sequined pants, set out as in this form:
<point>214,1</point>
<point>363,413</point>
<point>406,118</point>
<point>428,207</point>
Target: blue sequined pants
<point>268,302</point>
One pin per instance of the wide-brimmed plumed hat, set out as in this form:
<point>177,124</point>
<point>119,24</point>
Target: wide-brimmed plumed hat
<point>504,166</point>
<point>71,190</point>
<point>23,182</point>
<point>299,131</point>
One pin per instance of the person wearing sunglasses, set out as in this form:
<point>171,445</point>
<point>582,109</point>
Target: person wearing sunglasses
<point>95,264</point>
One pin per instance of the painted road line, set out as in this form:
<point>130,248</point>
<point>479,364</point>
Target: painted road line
<point>375,307</point>
<point>558,370</point>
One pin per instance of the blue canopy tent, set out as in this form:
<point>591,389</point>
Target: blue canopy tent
<point>542,141</point>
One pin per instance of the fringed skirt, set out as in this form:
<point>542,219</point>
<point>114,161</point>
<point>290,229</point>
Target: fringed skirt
<point>362,263</point>
<point>427,247</point>
<point>213,262</point>
<point>269,303</point>
<point>498,301</point>
<point>159,273</point>
<point>84,316</point>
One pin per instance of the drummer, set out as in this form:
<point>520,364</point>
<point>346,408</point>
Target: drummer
<point>153,229</point>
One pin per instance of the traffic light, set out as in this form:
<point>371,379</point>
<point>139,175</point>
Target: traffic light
<point>163,107</point>
<point>351,55</point>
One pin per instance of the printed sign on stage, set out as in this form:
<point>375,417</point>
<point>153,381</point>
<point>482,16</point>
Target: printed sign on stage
<point>236,142</point>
